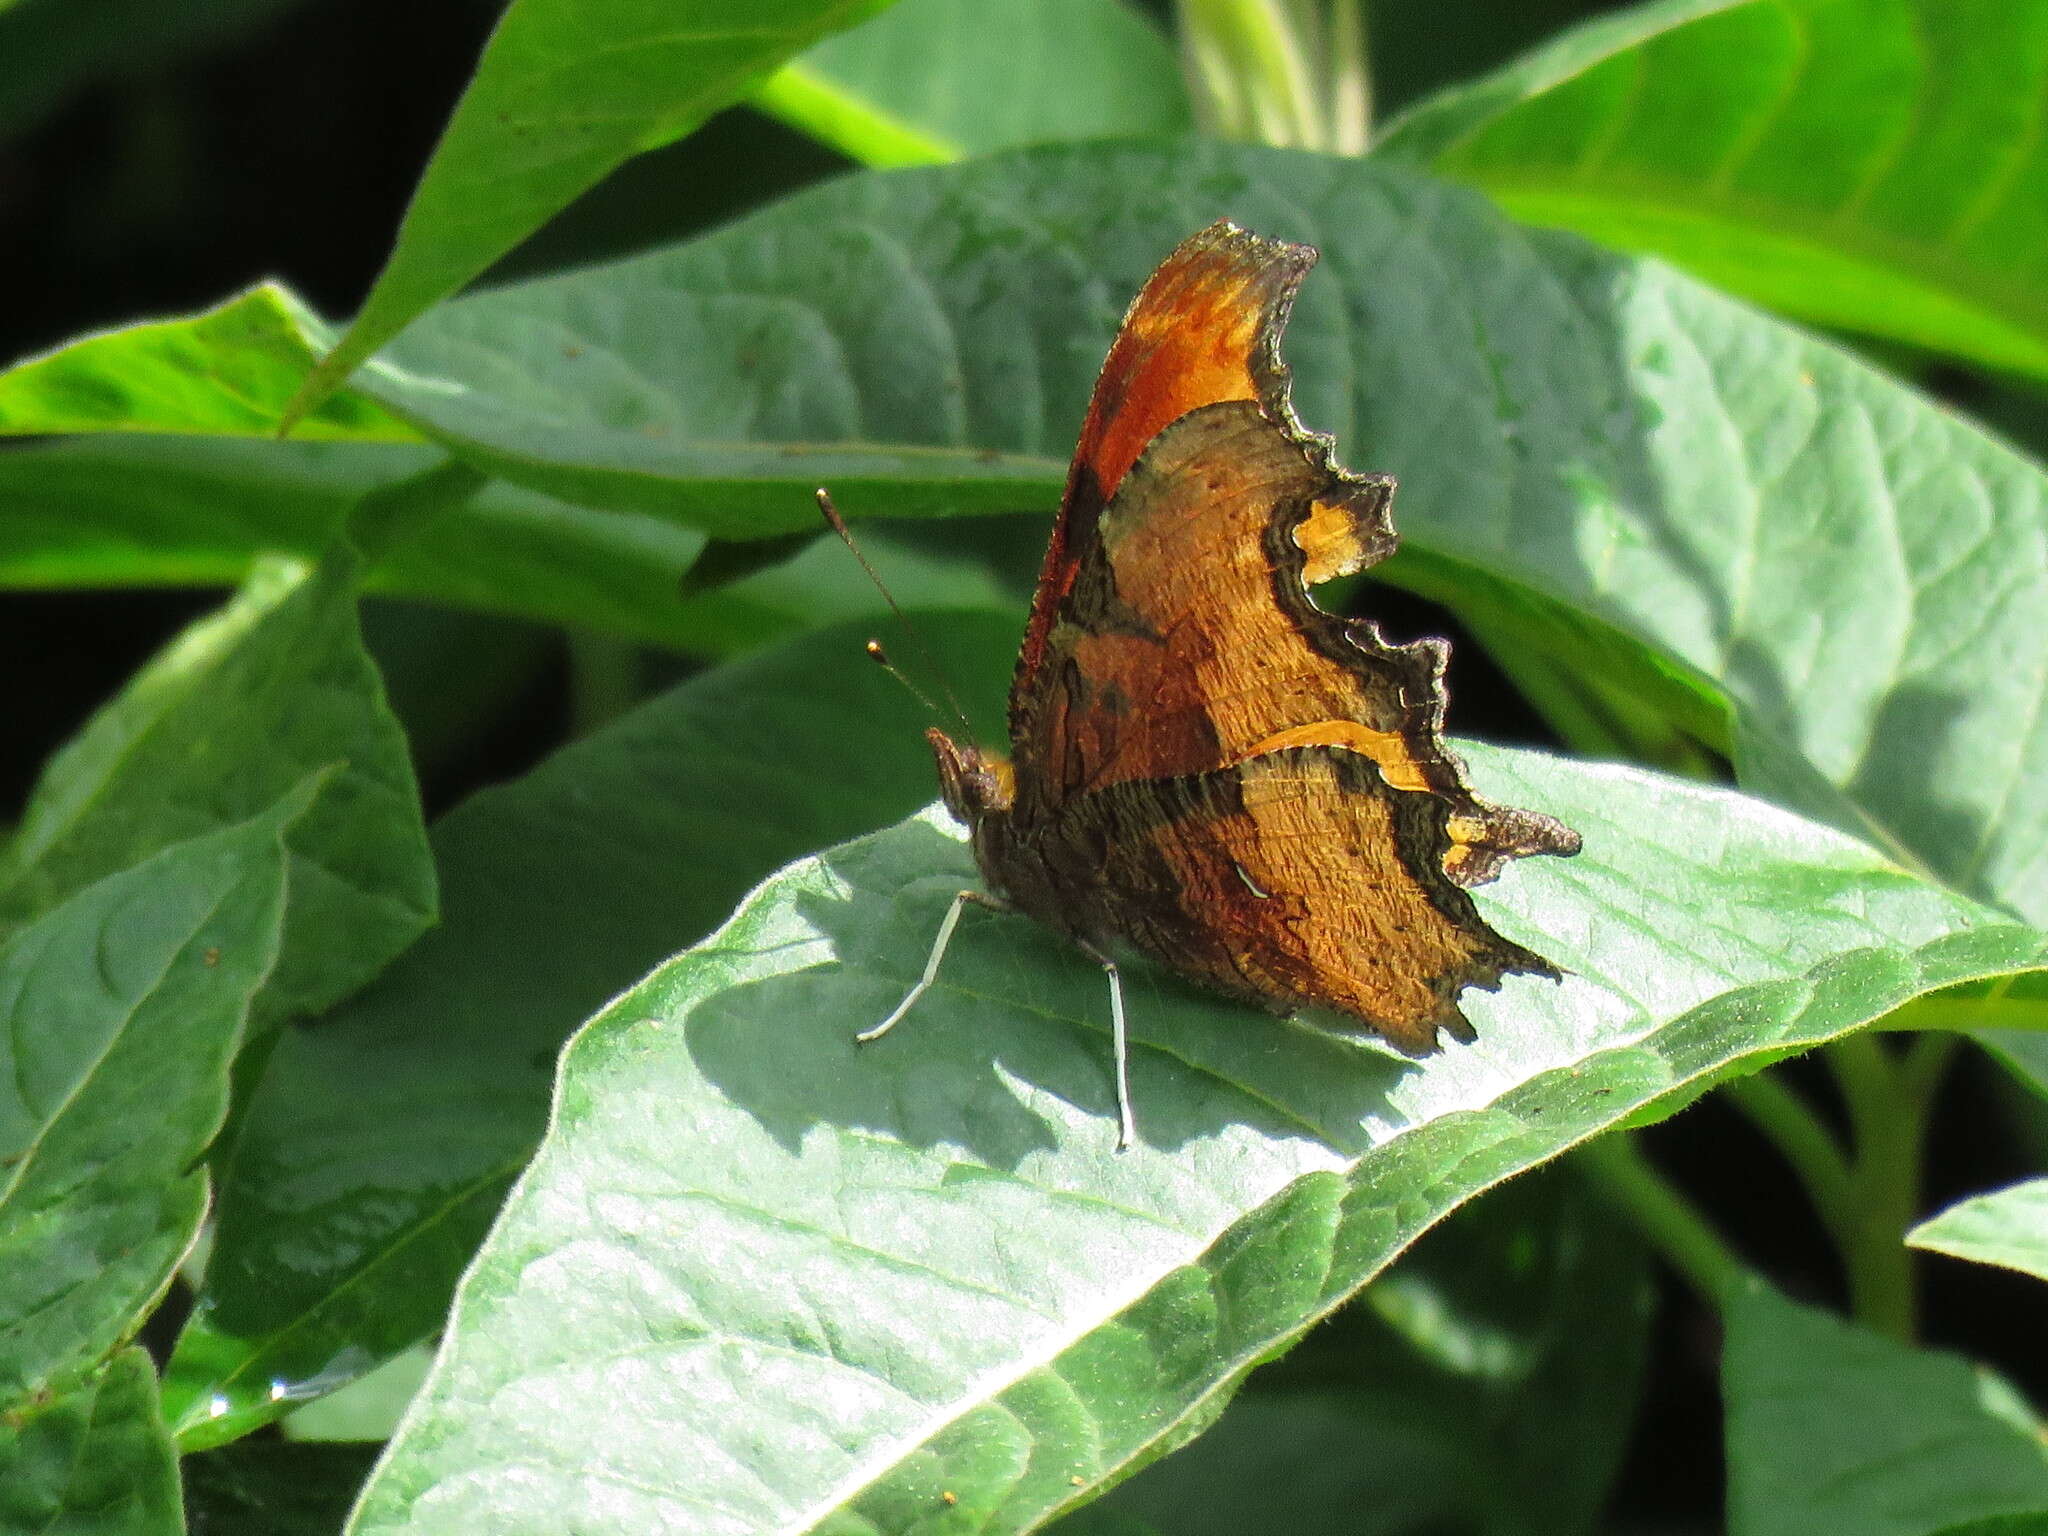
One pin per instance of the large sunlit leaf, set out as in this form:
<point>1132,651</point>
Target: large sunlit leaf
<point>226,719</point>
<point>1589,445</point>
<point>1485,1384</point>
<point>92,1459</point>
<point>382,1138</point>
<point>566,91</point>
<point>120,1014</point>
<point>2008,1227</point>
<point>838,1284</point>
<point>1834,1431</point>
<point>1872,164</point>
<point>935,80</point>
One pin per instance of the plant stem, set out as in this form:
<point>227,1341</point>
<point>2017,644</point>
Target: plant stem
<point>1673,1225</point>
<point>1926,1063</point>
<point>1350,92</point>
<point>840,118</point>
<point>1249,71</point>
<point>1890,1099</point>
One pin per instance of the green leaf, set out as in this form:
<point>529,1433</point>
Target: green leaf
<point>224,721</point>
<point>1753,520</point>
<point>345,1218</point>
<point>269,1488</point>
<point>1486,1383</point>
<point>226,372</point>
<point>120,1014</point>
<point>128,511</point>
<point>2007,1226</point>
<point>92,1459</point>
<point>935,80</point>
<point>566,91</point>
<point>834,1284</point>
<point>1856,570</point>
<point>1876,165</point>
<point>1833,1431</point>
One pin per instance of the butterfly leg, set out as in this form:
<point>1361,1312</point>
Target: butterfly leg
<point>1119,1047</point>
<point>931,966</point>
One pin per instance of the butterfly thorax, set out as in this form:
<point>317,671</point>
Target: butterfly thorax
<point>980,789</point>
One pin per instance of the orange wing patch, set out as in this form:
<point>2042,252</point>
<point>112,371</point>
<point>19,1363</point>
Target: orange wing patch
<point>1205,327</point>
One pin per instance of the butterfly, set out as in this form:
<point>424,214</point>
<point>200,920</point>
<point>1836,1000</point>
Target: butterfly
<point>1205,766</point>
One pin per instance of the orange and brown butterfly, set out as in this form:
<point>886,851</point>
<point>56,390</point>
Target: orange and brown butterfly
<point>1205,766</point>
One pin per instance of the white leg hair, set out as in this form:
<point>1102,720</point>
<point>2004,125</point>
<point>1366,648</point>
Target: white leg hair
<point>931,966</point>
<point>1119,1047</point>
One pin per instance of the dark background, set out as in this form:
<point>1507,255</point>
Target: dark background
<point>154,159</point>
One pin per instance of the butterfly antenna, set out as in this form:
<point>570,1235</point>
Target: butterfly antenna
<point>875,650</point>
<point>881,659</point>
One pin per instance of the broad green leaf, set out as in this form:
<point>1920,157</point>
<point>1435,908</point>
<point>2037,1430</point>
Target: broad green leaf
<point>2008,1226</point>
<point>224,721</point>
<point>1833,1431</point>
<point>1586,442</point>
<point>1857,570</point>
<point>1876,165</point>
<point>565,92</point>
<point>93,1459</point>
<point>120,1014</point>
<point>345,1216</point>
<point>269,1488</point>
<point>126,511</point>
<point>225,373</point>
<point>935,80</point>
<point>835,1284</point>
<point>1485,1384</point>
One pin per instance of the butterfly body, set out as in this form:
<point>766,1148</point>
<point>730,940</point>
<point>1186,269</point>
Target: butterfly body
<point>1205,765</point>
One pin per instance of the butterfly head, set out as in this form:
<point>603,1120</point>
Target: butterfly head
<point>976,784</point>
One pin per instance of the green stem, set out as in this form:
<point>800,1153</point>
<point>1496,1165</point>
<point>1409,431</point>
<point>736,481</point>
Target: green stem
<point>855,127</point>
<point>1926,1063</point>
<point>1673,1225</point>
<point>1249,71</point>
<point>1805,1142</point>
<point>1890,1099</point>
<point>1350,91</point>
<point>1211,87</point>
